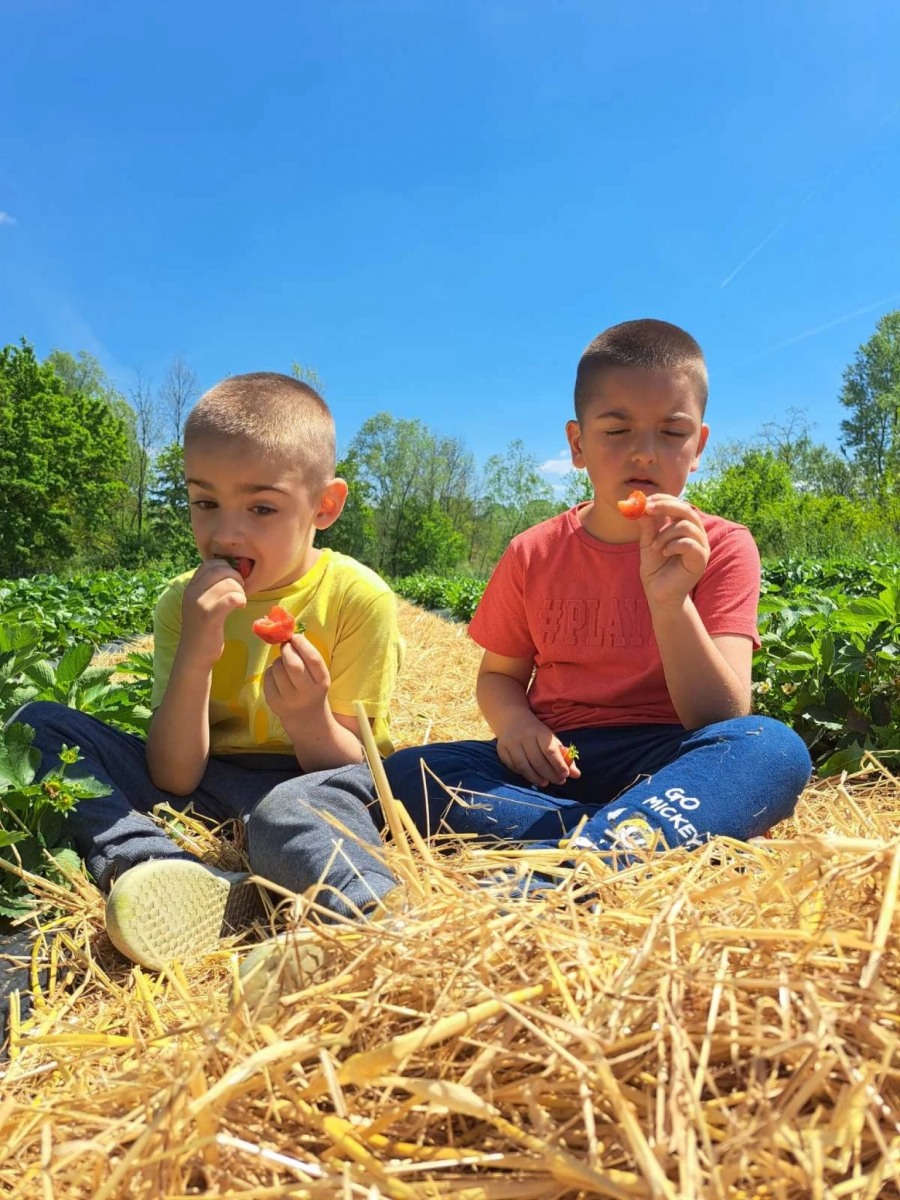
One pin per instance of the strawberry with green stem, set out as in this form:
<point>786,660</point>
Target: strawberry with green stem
<point>278,626</point>
<point>570,754</point>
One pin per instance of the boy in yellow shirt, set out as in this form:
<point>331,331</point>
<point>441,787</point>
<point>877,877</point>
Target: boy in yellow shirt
<point>237,721</point>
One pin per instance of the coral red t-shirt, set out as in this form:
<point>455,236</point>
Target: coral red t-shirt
<point>576,605</point>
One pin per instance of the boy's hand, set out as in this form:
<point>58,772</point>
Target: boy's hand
<point>674,549</point>
<point>215,591</point>
<point>532,750</point>
<point>297,682</point>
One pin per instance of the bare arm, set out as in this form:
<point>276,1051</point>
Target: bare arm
<point>178,739</point>
<point>524,743</point>
<point>325,739</point>
<point>708,678</point>
<point>296,689</point>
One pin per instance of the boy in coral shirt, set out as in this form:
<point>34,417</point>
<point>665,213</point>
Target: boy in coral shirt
<point>631,639</point>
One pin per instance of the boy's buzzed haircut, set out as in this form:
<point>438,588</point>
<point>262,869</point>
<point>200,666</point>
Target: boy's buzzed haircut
<point>275,414</point>
<point>649,344</point>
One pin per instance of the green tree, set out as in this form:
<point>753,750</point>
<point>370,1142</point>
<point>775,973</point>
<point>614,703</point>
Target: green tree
<point>814,467</point>
<point>411,473</point>
<point>353,532</point>
<point>578,487</point>
<point>169,510</point>
<point>309,376</point>
<point>83,375</point>
<point>59,464</point>
<point>512,484</point>
<point>759,492</point>
<point>871,392</point>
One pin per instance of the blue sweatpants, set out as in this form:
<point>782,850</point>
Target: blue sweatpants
<point>290,839</point>
<point>640,785</point>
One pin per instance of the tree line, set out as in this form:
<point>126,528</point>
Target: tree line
<point>91,476</point>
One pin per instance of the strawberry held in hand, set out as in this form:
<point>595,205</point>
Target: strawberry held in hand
<point>278,627</point>
<point>633,507</point>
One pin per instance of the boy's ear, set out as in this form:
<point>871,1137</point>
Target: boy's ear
<point>331,504</point>
<point>701,446</point>
<point>573,433</point>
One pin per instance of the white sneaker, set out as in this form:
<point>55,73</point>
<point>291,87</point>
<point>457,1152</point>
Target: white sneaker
<point>299,958</point>
<point>169,908</point>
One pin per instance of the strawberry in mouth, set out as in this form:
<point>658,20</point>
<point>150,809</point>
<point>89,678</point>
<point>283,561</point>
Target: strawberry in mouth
<point>243,566</point>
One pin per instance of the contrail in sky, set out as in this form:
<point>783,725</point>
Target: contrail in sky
<point>863,146</point>
<point>800,337</point>
<point>778,228</point>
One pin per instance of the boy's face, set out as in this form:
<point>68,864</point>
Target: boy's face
<point>247,505</point>
<point>640,430</point>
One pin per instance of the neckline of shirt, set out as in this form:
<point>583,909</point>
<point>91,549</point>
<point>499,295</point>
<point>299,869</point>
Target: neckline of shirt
<point>299,585</point>
<point>597,544</point>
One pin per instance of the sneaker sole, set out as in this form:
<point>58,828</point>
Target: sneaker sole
<point>280,966</point>
<point>170,909</point>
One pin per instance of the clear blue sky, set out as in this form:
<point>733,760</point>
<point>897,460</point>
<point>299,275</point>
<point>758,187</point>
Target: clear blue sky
<point>438,203</point>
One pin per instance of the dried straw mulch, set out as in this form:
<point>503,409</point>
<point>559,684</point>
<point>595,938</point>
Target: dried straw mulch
<point>721,1024</point>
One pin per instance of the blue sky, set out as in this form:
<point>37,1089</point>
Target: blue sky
<point>438,204</point>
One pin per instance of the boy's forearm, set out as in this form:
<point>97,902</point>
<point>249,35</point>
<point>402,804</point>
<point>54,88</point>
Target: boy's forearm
<point>178,739</point>
<point>321,742</point>
<point>703,687</point>
<point>502,699</point>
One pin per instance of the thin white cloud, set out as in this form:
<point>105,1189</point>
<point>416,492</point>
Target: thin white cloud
<point>7,219</point>
<point>561,465</point>
<point>842,320</point>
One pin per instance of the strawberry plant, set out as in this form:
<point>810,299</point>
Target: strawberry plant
<point>830,667</point>
<point>32,818</point>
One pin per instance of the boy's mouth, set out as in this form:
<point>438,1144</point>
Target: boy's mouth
<point>242,565</point>
<point>638,481</point>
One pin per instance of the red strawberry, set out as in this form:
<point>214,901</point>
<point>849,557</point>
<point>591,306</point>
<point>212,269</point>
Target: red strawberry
<point>243,566</point>
<point>570,753</point>
<point>634,506</point>
<point>278,627</point>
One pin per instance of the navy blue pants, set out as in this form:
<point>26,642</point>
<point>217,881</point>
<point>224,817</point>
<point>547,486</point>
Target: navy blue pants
<point>640,785</point>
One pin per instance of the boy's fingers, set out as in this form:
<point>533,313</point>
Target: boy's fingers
<point>682,546</point>
<point>271,690</point>
<point>299,655</point>
<point>557,759</point>
<point>662,505</point>
<point>523,766</point>
<point>541,766</point>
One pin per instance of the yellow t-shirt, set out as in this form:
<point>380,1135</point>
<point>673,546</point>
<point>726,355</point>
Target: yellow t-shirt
<point>351,619</point>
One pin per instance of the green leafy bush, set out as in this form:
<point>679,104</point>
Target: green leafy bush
<point>93,607</point>
<point>33,813</point>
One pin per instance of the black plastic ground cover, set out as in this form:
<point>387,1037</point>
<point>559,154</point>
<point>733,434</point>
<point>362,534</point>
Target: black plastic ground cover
<point>15,975</point>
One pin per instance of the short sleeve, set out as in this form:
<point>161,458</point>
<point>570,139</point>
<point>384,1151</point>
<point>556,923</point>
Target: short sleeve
<point>727,597</point>
<point>500,622</point>
<point>166,636</point>
<point>366,657</point>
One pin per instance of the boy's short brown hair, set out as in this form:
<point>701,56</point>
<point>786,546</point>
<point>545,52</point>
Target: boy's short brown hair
<point>274,414</point>
<point>649,344</point>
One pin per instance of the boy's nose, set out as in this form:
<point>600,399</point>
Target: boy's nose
<point>227,537</point>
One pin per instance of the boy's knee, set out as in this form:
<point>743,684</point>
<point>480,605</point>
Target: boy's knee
<point>404,772</point>
<point>303,796</point>
<point>42,714</point>
<point>784,753</point>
